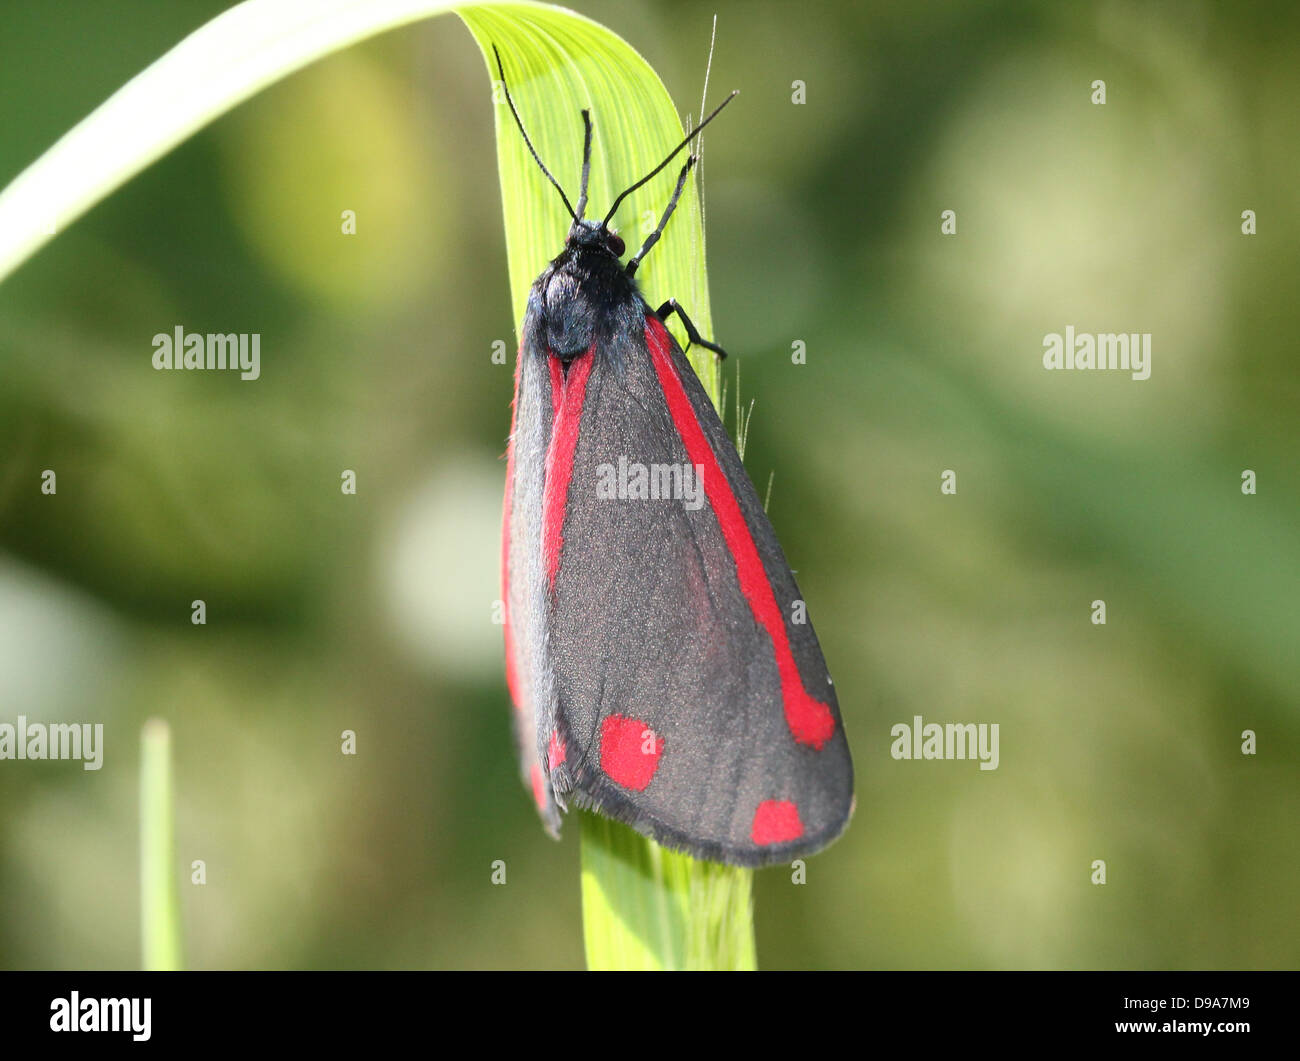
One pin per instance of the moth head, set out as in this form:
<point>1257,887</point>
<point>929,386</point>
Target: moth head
<point>584,233</point>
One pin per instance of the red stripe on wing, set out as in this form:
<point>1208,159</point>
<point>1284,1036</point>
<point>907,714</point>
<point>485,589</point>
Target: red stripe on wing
<point>809,720</point>
<point>568,391</point>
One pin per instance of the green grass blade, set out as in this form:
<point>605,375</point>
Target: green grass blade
<point>647,908</point>
<point>215,68</point>
<point>160,928</point>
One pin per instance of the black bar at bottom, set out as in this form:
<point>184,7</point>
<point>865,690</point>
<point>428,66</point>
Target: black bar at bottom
<point>603,1012</point>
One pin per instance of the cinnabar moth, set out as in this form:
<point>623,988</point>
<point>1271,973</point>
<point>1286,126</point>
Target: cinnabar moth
<point>655,653</point>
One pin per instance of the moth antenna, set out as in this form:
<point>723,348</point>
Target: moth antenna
<point>524,132</point>
<point>673,154</point>
<point>586,165</point>
<point>653,238</point>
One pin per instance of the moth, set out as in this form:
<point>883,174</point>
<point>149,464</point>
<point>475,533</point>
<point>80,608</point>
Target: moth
<point>658,652</point>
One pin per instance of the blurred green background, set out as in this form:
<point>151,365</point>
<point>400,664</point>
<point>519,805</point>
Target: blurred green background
<point>373,613</point>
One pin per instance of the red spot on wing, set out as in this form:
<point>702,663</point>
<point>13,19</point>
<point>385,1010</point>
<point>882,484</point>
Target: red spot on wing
<point>810,721</point>
<point>555,751</point>
<point>567,394</point>
<point>629,751</point>
<point>776,821</point>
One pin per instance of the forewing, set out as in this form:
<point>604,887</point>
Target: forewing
<point>690,699</point>
<point>523,590</point>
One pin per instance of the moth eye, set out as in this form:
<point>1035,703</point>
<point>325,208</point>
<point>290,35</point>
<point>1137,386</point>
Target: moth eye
<point>615,243</point>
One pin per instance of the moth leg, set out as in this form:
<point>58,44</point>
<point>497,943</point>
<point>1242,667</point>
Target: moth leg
<point>692,333</point>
